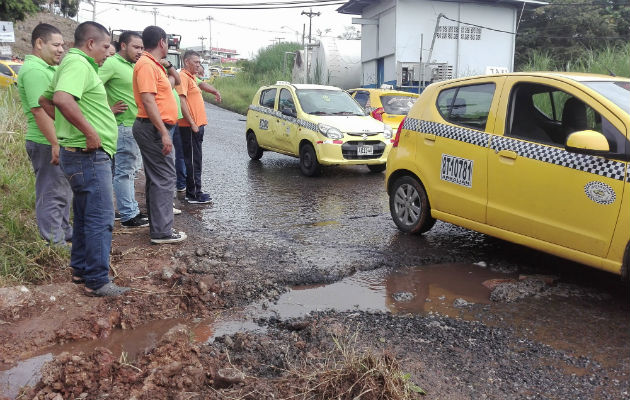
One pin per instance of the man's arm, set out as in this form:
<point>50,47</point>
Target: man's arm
<point>46,126</point>
<point>148,100</point>
<point>186,113</point>
<point>210,89</point>
<point>48,107</point>
<point>69,108</point>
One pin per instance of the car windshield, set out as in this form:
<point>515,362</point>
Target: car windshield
<point>397,104</point>
<point>328,102</point>
<point>617,92</point>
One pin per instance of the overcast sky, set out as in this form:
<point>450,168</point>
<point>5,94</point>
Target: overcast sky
<point>242,30</point>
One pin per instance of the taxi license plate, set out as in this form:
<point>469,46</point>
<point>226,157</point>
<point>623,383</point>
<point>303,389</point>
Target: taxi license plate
<point>365,150</point>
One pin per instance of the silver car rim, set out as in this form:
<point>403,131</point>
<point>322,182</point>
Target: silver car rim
<point>407,205</point>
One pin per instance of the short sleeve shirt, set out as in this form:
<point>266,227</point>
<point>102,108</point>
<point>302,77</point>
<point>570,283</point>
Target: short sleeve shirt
<point>78,75</point>
<point>149,76</point>
<point>194,99</point>
<point>179,104</point>
<point>33,79</point>
<point>117,76</point>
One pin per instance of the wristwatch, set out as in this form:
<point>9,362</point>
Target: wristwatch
<point>170,65</point>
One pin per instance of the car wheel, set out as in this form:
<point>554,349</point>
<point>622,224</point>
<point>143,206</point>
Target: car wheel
<point>376,167</point>
<point>308,161</point>
<point>253,150</point>
<point>409,206</point>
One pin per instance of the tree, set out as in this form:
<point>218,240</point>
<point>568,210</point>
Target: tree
<point>16,10</point>
<point>351,33</point>
<point>565,28</point>
<point>69,8</point>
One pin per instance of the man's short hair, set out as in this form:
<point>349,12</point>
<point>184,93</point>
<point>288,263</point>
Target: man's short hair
<point>190,53</point>
<point>43,32</point>
<point>88,30</point>
<point>126,37</point>
<point>151,36</point>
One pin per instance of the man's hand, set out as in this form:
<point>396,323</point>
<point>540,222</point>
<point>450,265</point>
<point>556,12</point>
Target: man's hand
<point>119,107</point>
<point>165,63</point>
<point>92,143</point>
<point>54,160</point>
<point>194,127</point>
<point>217,96</point>
<point>167,144</point>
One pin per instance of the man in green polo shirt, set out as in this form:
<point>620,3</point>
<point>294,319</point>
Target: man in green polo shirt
<point>52,191</point>
<point>87,133</point>
<point>117,76</point>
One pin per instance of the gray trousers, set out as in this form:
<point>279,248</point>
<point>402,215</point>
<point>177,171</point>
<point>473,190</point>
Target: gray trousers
<point>159,171</point>
<point>53,195</point>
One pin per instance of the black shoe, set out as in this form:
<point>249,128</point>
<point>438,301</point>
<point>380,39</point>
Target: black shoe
<point>142,215</point>
<point>201,198</point>
<point>116,216</point>
<point>174,238</point>
<point>135,222</point>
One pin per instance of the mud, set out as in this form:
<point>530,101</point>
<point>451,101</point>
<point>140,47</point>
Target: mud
<point>282,278</point>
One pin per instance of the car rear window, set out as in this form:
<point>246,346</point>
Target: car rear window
<point>396,104</point>
<point>467,105</point>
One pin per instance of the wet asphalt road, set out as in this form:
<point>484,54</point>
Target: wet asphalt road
<point>343,216</point>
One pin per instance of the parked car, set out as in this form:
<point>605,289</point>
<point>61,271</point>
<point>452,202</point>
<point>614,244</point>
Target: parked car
<point>389,106</point>
<point>321,125</point>
<point>538,159</point>
<point>9,72</point>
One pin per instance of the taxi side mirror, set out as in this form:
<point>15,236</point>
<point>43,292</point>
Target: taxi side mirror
<point>289,112</point>
<point>587,142</point>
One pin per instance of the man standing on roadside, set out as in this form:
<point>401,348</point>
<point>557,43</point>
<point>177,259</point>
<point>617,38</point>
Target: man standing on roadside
<point>52,191</point>
<point>87,134</point>
<point>191,127</point>
<point>117,76</point>
<point>157,114</point>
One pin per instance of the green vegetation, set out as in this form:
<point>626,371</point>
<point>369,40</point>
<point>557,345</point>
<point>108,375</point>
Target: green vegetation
<point>266,68</point>
<point>615,59</point>
<point>24,256</point>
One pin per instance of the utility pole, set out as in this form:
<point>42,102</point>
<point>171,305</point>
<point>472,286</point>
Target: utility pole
<point>202,38</point>
<point>277,40</point>
<point>210,36</point>
<point>310,14</point>
<point>154,16</point>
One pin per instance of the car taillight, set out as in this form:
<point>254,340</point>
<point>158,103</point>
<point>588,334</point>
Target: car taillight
<point>378,114</point>
<point>397,137</point>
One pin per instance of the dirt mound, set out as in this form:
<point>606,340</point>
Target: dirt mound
<point>23,30</point>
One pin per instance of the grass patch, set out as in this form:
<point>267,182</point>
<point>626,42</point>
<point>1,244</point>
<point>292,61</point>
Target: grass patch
<point>24,256</point>
<point>615,59</point>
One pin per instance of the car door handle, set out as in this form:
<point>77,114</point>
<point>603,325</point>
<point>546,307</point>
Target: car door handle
<point>508,154</point>
<point>429,136</point>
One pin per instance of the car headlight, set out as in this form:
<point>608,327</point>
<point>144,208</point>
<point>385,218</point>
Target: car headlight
<point>387,132</point>
<point>330,131</point>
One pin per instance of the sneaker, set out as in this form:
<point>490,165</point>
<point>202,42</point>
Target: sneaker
<point>183,189</point>
<point>176,211</point>
<point>202,198</point>
<point>142,215</point>
<point>107,290</point>
<point>116,216</point>
<point>174,238</point>
<point>135,222</point>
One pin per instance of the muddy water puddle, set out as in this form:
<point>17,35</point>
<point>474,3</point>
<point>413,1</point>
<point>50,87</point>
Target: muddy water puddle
<point>409,290</point>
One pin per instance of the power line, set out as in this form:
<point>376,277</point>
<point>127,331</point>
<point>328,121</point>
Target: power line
<point>243,6</point>
<point>477,26</point>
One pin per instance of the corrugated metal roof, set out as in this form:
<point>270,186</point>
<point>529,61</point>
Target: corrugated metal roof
<point>355,7</point>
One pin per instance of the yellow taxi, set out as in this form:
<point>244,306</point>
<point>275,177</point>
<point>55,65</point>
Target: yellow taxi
<point>321,125</point>
<point>389,106</point>
<point>538,159</point>
<point>9,72</point>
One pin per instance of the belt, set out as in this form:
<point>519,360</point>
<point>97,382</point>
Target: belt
<point>79,149</point>
<point>147,120</point>
<point>143,119</point>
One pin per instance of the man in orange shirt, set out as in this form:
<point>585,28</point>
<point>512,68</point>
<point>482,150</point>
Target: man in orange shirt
<point>157,114</point>
<point>191,126</point>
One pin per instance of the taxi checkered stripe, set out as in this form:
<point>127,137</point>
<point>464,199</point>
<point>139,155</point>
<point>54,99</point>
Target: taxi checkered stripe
<point>448,131</point>
<point>304,124</point>
<point>582,162</point>
<point>553,155</point>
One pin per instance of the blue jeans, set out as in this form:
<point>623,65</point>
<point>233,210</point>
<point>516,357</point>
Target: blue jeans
<point>125,168</point>
<point>180,164</point>
<point>90,177</point>
<point>192,143</point>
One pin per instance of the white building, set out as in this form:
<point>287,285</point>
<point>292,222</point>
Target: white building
<point>471,38</point>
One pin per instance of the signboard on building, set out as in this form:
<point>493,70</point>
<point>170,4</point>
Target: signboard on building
<point>5,51</point>
<point>6,32</point>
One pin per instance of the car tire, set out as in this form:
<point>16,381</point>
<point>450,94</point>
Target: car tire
<point>253,150</point>
<point>409,206</point>
<point>376,167</point>
<point>308,161</point>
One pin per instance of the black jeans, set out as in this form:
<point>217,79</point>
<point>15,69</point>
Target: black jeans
<point>191,143</point>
